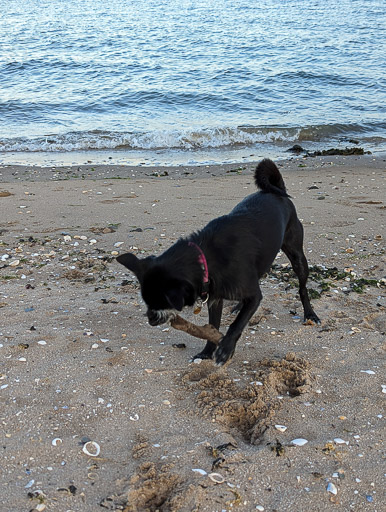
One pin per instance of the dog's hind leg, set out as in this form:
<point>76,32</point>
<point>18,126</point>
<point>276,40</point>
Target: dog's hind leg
<point>293,249</point>
<point>227,345</point>
<point>215,313</point>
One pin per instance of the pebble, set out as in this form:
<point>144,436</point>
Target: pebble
<point>332,488</point>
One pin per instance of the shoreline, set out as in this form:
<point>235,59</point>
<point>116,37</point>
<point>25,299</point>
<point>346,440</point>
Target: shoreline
<point>11,173</point>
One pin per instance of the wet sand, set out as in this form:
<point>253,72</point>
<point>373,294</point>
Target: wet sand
<point>80,365</point>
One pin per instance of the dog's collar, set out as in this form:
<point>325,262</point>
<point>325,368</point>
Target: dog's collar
<point>204,265</point>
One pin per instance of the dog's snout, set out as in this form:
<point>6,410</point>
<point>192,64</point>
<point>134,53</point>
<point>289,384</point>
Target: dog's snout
<point>159,317</point>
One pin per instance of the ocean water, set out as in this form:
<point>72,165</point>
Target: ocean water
<point>178,81</point>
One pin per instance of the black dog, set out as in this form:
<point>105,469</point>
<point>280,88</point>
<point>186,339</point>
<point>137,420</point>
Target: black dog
<point>226,260</point>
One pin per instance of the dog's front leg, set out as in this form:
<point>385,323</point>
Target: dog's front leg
<point>215,312</point>
<point>227,345</point>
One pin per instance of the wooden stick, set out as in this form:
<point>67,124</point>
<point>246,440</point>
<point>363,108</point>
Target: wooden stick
<point>205,332</point>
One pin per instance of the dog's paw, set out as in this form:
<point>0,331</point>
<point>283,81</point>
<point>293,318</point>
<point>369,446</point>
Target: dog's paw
<point>202,355</point>
<point>222,355</point>
<point>311,319</point>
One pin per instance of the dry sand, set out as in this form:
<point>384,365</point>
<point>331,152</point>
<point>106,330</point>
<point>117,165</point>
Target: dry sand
<point>79,362</point>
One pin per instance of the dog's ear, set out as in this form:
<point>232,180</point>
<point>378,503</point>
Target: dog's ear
<point>131,262</point>
<point>179,294</point>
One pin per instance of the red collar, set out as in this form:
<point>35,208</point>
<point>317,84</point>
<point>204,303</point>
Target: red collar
<point>204,265</point>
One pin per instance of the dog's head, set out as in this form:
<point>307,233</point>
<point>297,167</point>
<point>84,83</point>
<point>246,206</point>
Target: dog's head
<point>163,290</point>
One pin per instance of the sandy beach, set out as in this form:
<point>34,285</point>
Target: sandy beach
<point>100,411</point>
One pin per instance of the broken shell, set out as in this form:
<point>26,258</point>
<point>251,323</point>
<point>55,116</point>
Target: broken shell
<point>200,471</point>
<point>332,488</point>
<point>216,478</point>
<point>56,441</point>
<point>299,442</point>
<point>369,372</point>
<point>338,440</point>
<point>281,428</point>
<point>14,263</point>
<point>383,388</point>
<point>95,446</point>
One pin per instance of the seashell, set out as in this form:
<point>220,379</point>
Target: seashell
<point>260,507</point>
<point>378,237</point>
<point>339,440</point>
<point>350,250</point>
<point>299,442</point>
<point>369,372</point>
<point>134,418</point>
<point>216,478</point>
<point>332,488</point>
<point>383,388</point>
<point>42,342</point>
<point>200,471</point>
<point>14,263</point>
<point>96,447</point>
<point>56,441</point>
<point>281,428</point>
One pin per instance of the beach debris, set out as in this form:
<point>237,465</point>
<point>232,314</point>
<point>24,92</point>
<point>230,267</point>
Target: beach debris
<point>199,471</point>
<point>299,442</point>
<point>296,149</point>
<point>332,488</point>
<point>281,428</point>
<point>216,478</point>
<point>93,446</point>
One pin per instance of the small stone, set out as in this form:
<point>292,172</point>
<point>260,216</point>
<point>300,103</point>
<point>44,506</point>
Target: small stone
<point>332,488</point>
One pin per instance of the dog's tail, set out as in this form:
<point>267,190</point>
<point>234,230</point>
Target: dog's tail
<point>269,179</point>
